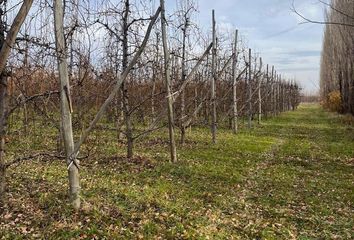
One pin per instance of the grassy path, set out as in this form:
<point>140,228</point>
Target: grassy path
<point>305,186</point>
<point>289,178</point>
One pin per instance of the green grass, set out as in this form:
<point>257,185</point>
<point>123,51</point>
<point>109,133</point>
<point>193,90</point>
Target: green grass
<point>289,178</point>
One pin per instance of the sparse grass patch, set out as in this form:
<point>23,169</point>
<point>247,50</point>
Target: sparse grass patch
<point>289,178</point>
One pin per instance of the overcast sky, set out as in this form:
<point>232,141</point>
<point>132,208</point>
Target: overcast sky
<point>272,29</point>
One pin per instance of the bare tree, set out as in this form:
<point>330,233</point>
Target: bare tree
<point>186,10</point>
<point>6,43</point>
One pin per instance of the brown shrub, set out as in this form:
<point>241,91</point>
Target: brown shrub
<point>333,101</point>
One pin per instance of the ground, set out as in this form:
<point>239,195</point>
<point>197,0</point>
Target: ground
<point>290,177</point>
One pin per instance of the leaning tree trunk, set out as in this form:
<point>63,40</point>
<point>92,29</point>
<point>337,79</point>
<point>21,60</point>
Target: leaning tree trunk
<point>66,107</point>
<point>167,76</point>
<point>12,34</point>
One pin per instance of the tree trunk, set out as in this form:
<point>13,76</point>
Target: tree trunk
<point>167,68</point>
<point>260,94</point>
<point>266,93</point>
<point>3,117</point>
<point>213,81</point>
<point>154,79</point>
<point>234,86</point>
<point>249,89</point>
<point>3,126</point>
<point>66,107</point>
<point>153,91</point>
<point>125,96</point>
<point>274,92</point>
<point>183,78</point>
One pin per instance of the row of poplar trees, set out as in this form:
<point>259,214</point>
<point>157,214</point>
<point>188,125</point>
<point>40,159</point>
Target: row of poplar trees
<point>337,63</point>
